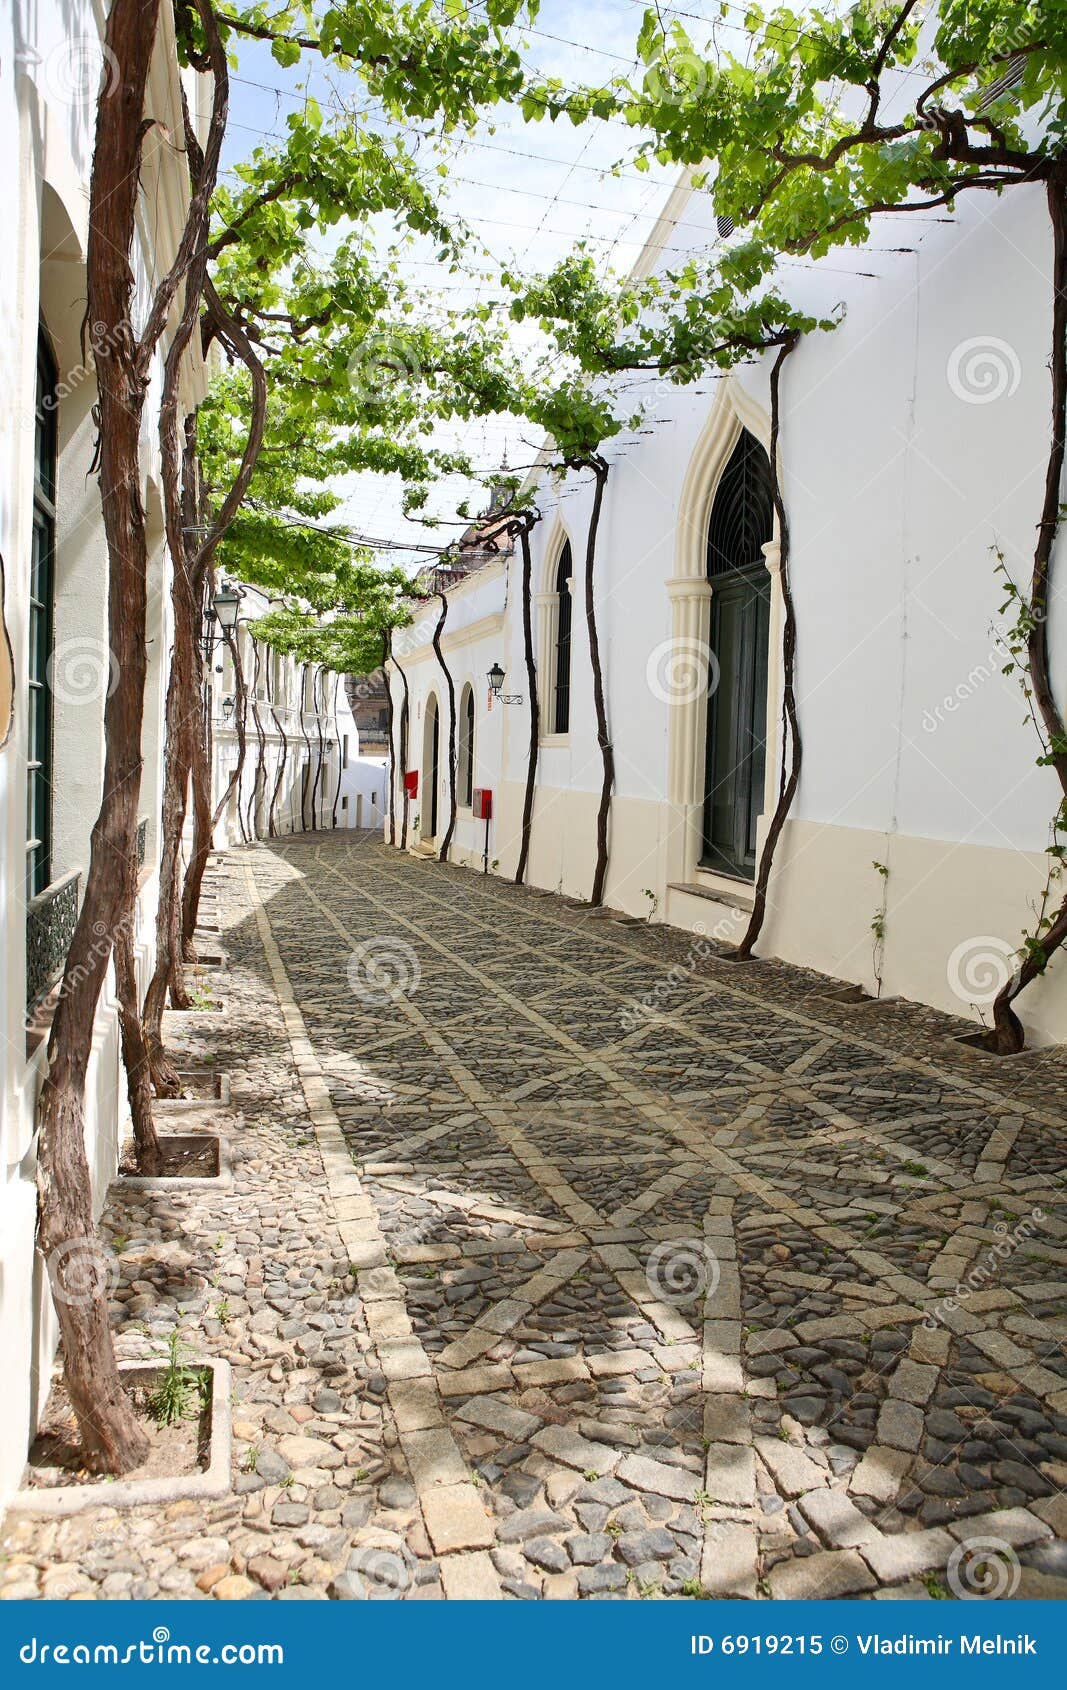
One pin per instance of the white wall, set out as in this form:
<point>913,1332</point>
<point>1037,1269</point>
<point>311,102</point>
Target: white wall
<point>902,473</point>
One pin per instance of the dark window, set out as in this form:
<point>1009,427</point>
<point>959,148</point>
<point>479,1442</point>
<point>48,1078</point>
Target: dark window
<point>41,630</point>
<point>466,750</point>
<point>562,715</point>
<point>742,521</point>
<point>434,772</point>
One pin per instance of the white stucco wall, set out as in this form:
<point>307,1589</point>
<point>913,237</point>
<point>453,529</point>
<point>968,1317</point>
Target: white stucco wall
<point>913,443</point>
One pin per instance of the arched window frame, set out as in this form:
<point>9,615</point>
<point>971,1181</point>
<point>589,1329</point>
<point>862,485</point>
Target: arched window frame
<point>740,527</point>
<point>465,761</point>
<point>689,595</point>
<point>556,616</point>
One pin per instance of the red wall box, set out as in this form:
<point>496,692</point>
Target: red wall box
<point>482,804</point>
<point>411,783</point>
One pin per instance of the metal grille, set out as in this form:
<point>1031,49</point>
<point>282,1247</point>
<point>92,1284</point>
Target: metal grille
<point>562,719</point>
<point>142,841</point>
<point>50,919</point>
<point>742,517</point>
<point>725,226</point>
<point>1010,78</point>
<point>41,630</point>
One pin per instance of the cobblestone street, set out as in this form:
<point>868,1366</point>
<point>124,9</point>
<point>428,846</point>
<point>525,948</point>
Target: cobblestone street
<point>530,1292</point>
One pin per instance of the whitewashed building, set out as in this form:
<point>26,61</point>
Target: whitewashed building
<point>58,667</point>
<point>914,442</point>
<point>299,736</point>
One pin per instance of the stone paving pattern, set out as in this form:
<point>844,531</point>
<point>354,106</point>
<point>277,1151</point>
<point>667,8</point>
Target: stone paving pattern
<point>530,1295</point>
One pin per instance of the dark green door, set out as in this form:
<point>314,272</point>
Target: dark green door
<point>742,521</point>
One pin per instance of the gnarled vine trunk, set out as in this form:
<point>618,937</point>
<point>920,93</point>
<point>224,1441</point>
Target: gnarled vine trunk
<point>405,721</point>
<point>792,747</point>
<point>318,699</point>
<point>1007,1035</point>
<point>112,1438</point>
<point>599,468</point>
<point>135,1057</point>
<point>240,722</point>
<point>200,789</point>
<point>387,652</point>
<point>219,324</point>
<point>305,773</point>
<point>272,829</point>
<point>260,777</point>
<point>446,843</point>
<point>337,731</point>
<point>521,529</point>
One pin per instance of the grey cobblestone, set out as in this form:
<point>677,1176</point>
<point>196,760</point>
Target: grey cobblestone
<point>450,1275</point>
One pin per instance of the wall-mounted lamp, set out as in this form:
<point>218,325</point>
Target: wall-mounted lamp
<point>227,709</point>
<point>495,678</point>
<point>225,603</point>
<point>223,609</point>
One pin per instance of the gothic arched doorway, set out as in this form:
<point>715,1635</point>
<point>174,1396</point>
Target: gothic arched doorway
<point>741,524</point>
<point>431,746</point>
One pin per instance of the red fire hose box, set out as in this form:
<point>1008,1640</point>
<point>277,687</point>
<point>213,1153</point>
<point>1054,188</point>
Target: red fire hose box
<point>411,783</point>
<point>482,804</point>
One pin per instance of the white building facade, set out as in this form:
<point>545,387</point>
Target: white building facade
<point>914,443</point>
<point>300,740</point>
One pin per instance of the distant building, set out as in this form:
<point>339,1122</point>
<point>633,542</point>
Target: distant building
<point>368,700</point>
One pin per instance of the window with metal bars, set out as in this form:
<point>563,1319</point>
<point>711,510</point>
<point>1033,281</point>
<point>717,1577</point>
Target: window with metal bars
<point>742,522</point>
<point>742,517</point>
<point>466,748</point>
<point>562,702</point>
<point>41,629</point>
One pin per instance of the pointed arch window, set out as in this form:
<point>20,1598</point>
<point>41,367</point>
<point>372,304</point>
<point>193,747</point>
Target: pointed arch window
<point>561,702</point>
<point>465,771</point>
<point>741,524</point>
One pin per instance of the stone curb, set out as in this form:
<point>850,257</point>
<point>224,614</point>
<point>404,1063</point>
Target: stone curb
<point>184,1182</point>
<point>213,1482</point>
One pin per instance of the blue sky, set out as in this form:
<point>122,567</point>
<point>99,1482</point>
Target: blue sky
<point>529,192</point>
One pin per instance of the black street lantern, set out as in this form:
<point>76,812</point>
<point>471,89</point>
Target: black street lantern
<point>495,678</point>
<point>225,604</point>
<point>227,709</point>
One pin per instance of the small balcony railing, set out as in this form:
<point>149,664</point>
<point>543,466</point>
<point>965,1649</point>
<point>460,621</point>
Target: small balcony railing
<point>50,919</point>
